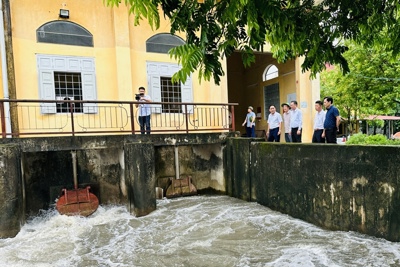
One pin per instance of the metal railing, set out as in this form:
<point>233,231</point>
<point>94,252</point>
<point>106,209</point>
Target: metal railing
<point>76,117</point>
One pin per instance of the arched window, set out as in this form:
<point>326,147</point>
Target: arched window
<point>270,72</point>
<point>162,43</point>
<point>64,32</point>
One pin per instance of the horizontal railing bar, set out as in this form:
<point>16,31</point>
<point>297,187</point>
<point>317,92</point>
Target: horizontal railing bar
<point>115,102</point>
<point>114,117</point>
<point>124,131</point>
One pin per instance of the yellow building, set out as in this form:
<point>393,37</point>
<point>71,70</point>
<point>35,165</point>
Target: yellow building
<point>268,83</point>
<point>102,56</point>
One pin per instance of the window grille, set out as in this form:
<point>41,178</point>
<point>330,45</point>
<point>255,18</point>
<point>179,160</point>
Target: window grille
<point>68,86</point>
<point>170,92</point>
<point>271,97</point>
<point>64,32</point>
<point>162,43</point>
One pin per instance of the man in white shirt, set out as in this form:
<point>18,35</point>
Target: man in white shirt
<point>144,111</point>
<point>319,123</point>
<point>296,122</point>
<point>274,125</point>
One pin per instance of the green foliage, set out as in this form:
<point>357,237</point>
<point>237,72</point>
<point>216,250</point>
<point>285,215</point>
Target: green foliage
<point>293,28</point>
<point>357,139</point>
<point>378,139</point>
<point>370,87</point>
<point>376,123</point>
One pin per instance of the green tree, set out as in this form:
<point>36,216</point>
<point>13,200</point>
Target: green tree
<point>369,88</point>
<point>216,28</point>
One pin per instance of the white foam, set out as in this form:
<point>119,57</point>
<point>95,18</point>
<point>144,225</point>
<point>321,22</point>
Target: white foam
<point>191,231</point>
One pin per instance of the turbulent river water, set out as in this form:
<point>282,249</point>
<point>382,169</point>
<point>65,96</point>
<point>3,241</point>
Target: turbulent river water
<point>192,231</point>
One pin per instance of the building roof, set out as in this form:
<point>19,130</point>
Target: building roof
<point>382,117</point>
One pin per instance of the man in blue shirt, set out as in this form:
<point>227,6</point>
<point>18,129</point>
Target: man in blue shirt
<point>332,121</point>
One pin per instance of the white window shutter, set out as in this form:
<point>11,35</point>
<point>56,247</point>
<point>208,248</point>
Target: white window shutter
<point>87,64</point>
<point>73,64</point>
<point>156,70</point>
<point>89,91</point>
<point>187,94</point>
<point>45,62</point>
<point>59,63</point>
<point>47,91</point>
<point>155,92</point>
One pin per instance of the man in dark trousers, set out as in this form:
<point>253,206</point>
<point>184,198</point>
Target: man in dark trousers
<point>332,121</point>
<point>144,111</point>
<point>296,122</point>
<point>274,125</point>
<point>319,123</point>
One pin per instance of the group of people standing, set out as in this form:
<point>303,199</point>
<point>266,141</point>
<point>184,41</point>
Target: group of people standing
<point>326,123</point>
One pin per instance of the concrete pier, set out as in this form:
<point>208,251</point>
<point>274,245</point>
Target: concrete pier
<point>140,178</point>
<point>11,193</point>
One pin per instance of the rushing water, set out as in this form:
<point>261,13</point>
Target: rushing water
<point>192,231</point>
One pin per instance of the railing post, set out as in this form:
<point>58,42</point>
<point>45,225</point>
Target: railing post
<point>3,120</point>
<point>71,108</point>
<point>132,119</point>
<point>187,118</point>
<point>233,117</point>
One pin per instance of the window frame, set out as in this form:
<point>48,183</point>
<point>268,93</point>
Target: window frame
<point>267,74</point>
<point>174,94</point>
<point>48,64</point>
<point>156,70</point>
<point>66,90</point>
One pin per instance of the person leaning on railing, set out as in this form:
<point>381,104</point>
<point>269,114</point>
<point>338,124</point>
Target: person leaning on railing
<point>144,111</point>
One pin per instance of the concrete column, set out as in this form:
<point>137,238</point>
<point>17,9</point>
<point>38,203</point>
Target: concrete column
<point>140,177</point>
<point>11,209</point>
<point>307,92</point>
<point>236,168</point>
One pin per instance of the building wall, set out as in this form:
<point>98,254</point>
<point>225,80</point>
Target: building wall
<point>120,59</point>
<point>119,49</point>
<point>246,87</point>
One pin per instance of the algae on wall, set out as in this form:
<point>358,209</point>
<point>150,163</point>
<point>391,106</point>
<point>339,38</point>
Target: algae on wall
<point>349,188</point>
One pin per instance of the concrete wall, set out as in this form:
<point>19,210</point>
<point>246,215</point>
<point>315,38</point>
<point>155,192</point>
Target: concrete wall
<point>122,170</point>
<point>47,173</point>
<point>204,163</point>
<point>11,204</point>
<point>349,188</point>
